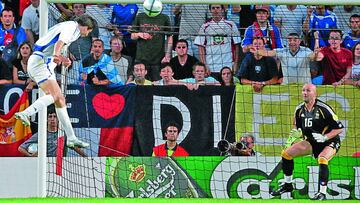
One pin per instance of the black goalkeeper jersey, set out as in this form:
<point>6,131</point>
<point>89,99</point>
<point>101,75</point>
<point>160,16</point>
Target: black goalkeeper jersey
<point>321,119</point>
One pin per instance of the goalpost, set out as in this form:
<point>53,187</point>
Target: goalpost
<point>91,172</point>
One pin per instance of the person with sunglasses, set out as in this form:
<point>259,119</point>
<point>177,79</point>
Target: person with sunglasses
<point>170,147</point>
<point>182,63</point>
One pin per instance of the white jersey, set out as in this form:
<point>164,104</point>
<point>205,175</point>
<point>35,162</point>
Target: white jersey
<point>295,68</point>
<point>218,39</point>
<point>67,32</point>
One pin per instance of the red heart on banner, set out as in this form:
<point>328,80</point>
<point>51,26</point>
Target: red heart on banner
<point>108,106</point>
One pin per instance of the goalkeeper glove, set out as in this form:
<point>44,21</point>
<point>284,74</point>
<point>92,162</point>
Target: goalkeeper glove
<point>294,136</point>
<point>319,137</point>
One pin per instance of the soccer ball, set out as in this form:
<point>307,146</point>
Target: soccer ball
<point>152,8</point>
<point>33,148</point>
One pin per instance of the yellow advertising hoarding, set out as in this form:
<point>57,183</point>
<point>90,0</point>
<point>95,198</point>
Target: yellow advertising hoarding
<point>269,115</point>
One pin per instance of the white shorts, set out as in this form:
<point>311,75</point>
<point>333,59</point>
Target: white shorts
<point>41,68</point>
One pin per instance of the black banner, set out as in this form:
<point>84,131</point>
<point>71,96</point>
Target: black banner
<point>203,115</point>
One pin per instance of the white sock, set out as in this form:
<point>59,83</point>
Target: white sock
<point>64,119</point>
<point>323,189</point>
<point>39,104</point>
<point>288,179</point>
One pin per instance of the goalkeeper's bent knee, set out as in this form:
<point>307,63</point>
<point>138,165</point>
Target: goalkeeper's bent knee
<point>323,160</point>
<point>286,155</point>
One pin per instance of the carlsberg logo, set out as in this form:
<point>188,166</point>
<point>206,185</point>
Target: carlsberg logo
<point>163,183</point>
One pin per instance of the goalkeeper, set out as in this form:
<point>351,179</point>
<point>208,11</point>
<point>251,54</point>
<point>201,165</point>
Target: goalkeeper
<point>319,127</point>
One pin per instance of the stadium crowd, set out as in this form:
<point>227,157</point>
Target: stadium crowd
<point>256,45</point>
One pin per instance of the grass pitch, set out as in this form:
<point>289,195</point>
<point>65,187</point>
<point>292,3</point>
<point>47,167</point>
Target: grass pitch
<point>158,200</point>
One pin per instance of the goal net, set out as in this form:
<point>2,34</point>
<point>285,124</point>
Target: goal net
<point>124,123</point>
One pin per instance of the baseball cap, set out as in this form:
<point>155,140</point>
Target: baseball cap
<point>262,7</point>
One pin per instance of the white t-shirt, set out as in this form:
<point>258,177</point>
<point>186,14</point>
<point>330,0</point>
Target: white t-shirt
<point>355,72</point>
<point>295,68</point>
<point>67,32</point>
<point>218,38</point>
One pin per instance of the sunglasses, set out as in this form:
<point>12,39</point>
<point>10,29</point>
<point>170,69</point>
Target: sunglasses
<point>181,47</point>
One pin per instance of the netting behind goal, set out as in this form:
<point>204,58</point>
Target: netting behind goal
<point>123,124</point>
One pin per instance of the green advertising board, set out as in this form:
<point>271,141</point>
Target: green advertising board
<point>269,115</point>
<point>226,177</point>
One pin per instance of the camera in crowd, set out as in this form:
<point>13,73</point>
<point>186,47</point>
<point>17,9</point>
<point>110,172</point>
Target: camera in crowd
<point>242,148</point>
<point>224,146</point>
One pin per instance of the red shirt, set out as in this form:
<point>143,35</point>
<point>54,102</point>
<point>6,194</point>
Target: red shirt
<point>335,64</point>
<point>161,150</point>
<point>23,5</point>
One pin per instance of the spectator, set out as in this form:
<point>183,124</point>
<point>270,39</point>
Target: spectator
<point>20,74</point>
<point>17,6</point>
<point>98,69</point>
<point>245,147</point>
<point>227,77</point>
<point>121,62</point>
<point>320,20</point>
<point>257,70</point>
<point>152,50</point>
<point>52,137</point>
<point>30,21</point>
<point>355,74</point>
<point>216,40</point>
<point>191,19</point>
<point>289,19</point>
<point>166,73</point>
<point>343,14</point>
<point>200,76</point>
<point>171,147</point>
<point>295,60</point>
<point>122,17</point>
<point>5,73</point>
<point>94,57</point>
<point>338,61</point>
<point>182,63</point>
<point>10,36</point>
<point>353,35</point>
<point>262,28</point>
<point>139,75</point>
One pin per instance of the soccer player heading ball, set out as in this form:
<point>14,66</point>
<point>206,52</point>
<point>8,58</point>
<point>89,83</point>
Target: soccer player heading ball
<point>320,129</point>
<point>46,56</point>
